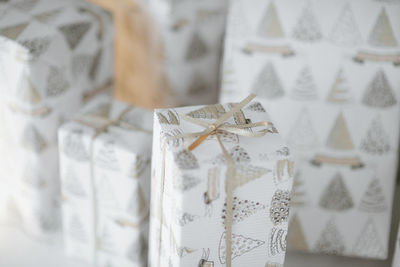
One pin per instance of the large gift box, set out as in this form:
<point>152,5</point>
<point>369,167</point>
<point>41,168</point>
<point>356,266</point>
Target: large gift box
<point>105,183</point>
<point>229,191</point>
<point>54,55</point>
<point>328,73</point>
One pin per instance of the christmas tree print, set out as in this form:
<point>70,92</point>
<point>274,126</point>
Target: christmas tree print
<point>26,91</point>
<point>76,231</point>
<point>339,137</point>
<point>25,5</point>
<point>106,156</point>
<point>176,142</point>
<point>239,155</point>
<point>33,140</point>
<point>107,244</point>
<point>56,82</point>
<point>173,118</point>
<point>137,203</point>
<point>307,28</point>
<point>368,243</point>
<point>340,92</point>
<point>304,88</point>
<point>373,199</point>
<point>376,141</point>
<point>197,48</point>
<point>240,246</point>
<point>137,251</point>
<point>277,241</point>
<point>72,184</point>
<point>336,195</point>
<point>80,65</point>
<point>74,32</point>
<point>330,240</point>
<point>73,146</point>
<point>208,112</point>
<point>36,46</point>
<point>256,107</point>
<point>106,195</point>
<point>296,238</point>
<point>247,173</point>
<point>186,160</point>
<point>12,32</point>
<point>302,135</point>
<point>279,209</point>
<point>270,26</point>
<point>242,209</point>
<point>94,68</point>
<point>382,33</point>
<point>379,93</point>
<point>345,31</point>
<point>298,191</point>
<point>267,83</point>
<point>184,182</point>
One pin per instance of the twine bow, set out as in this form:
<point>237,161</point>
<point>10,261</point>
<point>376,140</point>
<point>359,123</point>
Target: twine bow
<point>232,180</point>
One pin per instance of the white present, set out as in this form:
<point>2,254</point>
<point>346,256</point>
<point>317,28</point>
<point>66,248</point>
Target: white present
<point>328,74</point>
<point>53,56</point>
<point>194,190</point>
<point>105,183</point>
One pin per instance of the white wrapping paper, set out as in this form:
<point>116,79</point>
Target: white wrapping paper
<point>105,182</point>
<point>187,225</point>
<point>328,73</point>
<point>53,56</point>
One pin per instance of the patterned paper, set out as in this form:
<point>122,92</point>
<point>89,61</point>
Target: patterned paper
<point>329,77</point>
<point>396,257</point>
<point>105,215</point>
<point>189,206</point>
<point>53,56</point>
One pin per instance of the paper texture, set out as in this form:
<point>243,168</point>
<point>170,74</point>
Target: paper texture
<point>53,55</point>
<point>327,72</point>
<point>105,182</point>
<point>187,210</point>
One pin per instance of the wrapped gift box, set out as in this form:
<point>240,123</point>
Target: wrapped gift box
<point>105,183</point>
<point>328,74</point>
<point>54,56</point>
<point>189,200</point>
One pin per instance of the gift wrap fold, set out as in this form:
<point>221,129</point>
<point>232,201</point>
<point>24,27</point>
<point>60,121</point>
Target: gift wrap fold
<point>105,183</point>
<point>328,74</point>
<point>54,55</point>
<point>221,181</point>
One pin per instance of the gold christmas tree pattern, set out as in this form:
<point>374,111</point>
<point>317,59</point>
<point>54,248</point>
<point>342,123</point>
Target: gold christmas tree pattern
<point>339,137</point>
<point>336,196</point>
<point>12,32</point>
<point>197,48</point>
<point>270,26</point>
<point>73,146</point>
<point>305,88</point>
<point>376,141</point>
<point>247,173</point>
<point>296,238</point>
<point>382,33</point>
<point>340,92</point>
<point>106,156</point>
<point>175,142</point>
<point>57,84</point>
<point>279,209</point>
<point>298,194</point>
<point>36,46</point>
<point>368,243</point>
<point>277,241</point>
<point>240,246</point>
<point>267,83</point>
<point>242,209</point>
<point>33,140</point>
<point>170,118</point>
<point>208,112</point>
<point>379,93</point>
<point>307,28</point>
<point>303,135</point>
<point>373,200</point>
<point>330,240</point>
<point>75,32</point>
<point>72,185</point>
<point>345,31</point>
<point>186,160</point>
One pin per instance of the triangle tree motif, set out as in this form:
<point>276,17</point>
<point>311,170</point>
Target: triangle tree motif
<point>368,243</point>
<point>208,112</point>
<point>267,83</point>
<point>277,241</point>
<point>345,31</point>
<point>376,141</point>
<point>137,203</point>
<point>26,91</point>
<point>74,147</point>
<point>305,88</point>
<point>379,93</point>
<point>185,182</point>
<point>247,173</point>
<point>106,156</point>
<point>296,238</point>
<point>303,135</point>
<point>76,230</point>
<point>373,199</point>
<point>279,209</point>
<point>340,92</point>
<point>105,194</point>
<point>186,160</point>
<point>57,84</point>
<point>270,26</point>
<point>137,251</point>
<point>33,140</point>
<point>242,209</point>
<point>240,246</point>
<point>72,185</point>
<point>36,46</point>
<point>197,48</point>
<point>298,191</point>
<point>330,240</point>
<point>12,32</point>
<point>336,196</point>
<point>74,32</point>
<point>173,117</point>
<point>382,33</point>
<point>307,28</point>
<point>339,138</point>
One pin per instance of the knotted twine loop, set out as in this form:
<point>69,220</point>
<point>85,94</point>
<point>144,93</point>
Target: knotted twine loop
<point>216,128</point>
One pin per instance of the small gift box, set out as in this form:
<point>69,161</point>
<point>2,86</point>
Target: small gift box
<point>105,183</point>
<point>223,200</point>
<point>328,74</point>
<point>54,55</point>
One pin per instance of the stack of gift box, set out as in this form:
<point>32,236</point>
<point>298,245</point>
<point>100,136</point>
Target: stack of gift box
<point>310,161</point>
